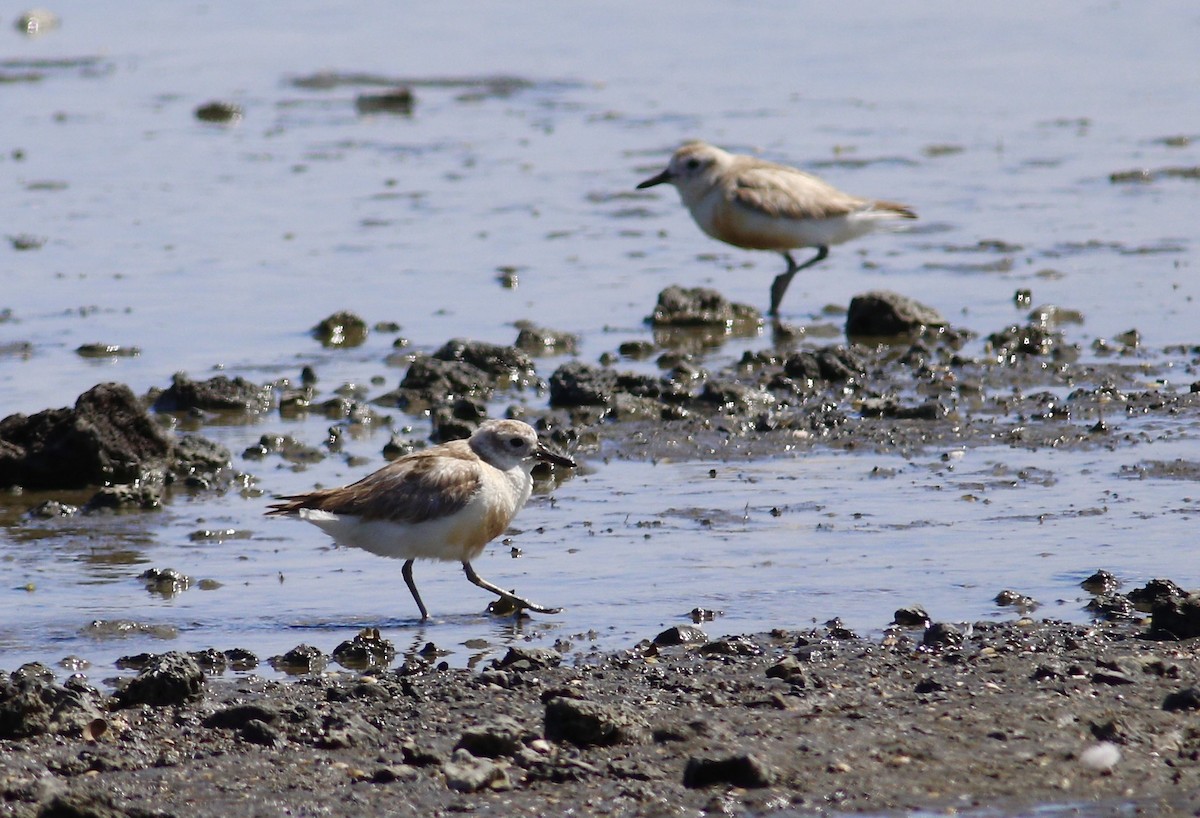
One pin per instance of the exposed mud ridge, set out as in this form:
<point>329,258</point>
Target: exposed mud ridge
<point>899,393</point>
<point>955,718</point>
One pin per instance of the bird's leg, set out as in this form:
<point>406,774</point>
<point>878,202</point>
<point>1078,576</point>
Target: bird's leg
<point>412,586</point>
<point>780,285</point>
<point>503,594</point>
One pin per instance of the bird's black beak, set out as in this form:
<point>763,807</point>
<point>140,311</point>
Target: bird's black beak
<point>546,456</point>
<point>665,176</point>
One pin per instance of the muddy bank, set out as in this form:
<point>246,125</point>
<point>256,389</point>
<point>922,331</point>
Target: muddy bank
<point>957,718</point>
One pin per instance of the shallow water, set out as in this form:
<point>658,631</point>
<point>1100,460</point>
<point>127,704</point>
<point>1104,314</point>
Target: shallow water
<point>211,246</point>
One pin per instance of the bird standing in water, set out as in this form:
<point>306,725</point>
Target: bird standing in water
<point>759,205</point>
<point>444,503</point>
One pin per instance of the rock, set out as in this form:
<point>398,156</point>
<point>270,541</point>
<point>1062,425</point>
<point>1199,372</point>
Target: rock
<point>457,420</point>
<point>81,804</point>
<point>261,733</point>
<point>790,669</point>
<point>506,366</point>
<point>521,658</point>
<point>432,381</point>
<point>914,616</point>
<point>340,731</point>
<point>1009,598</point>
<point>223,113</point>
<point>1101,582</point>
<point>681,635</point>
<point>1186,699</point>
<point>941,634</point>
<point>732,646</point>
<point>578,384</point>
<point>396,101</point>
<point>835,364</point>
<point>465,773</point>
<point>1112,606</point>
<point>500,736</point>
<point>1176,618</point>
<point>218,394</point>
<point>1156,592</point>
<point>884,313</point>
<point>587,724</point>
<point>237,716</point>
<point>744,770</point>
<point>31,703</point>
<point>697,307</point>
<point>169,679</point>
<point>165,581</point>
<point>928,685</point>
<point>300,659</point>
<point>1030,339</point>
<point>366,650</point>
<point>108,437</point>
<point>393,772</point>
<point>342,329</point>
<point>536,340</point>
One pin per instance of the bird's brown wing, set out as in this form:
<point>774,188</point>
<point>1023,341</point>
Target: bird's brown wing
<point>778,191</point>
<point>423,486</point>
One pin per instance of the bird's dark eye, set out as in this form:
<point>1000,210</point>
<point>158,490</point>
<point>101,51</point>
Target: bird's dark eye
<point>516,442</point>
<point>692,164</point>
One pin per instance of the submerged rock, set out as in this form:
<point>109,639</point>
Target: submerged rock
<point>218,394</point>
<point>342,329</point>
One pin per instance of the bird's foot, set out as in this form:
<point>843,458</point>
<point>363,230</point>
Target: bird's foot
<point>509,604</point>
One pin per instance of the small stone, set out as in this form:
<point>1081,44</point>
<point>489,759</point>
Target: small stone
<point>942,634</point>
<point>465,773</point>
<point>300,659</point>
<point>681,635</point>
<point>586,724</point>
<point>1101,582</point>
<point>914,616</point>
<point>224,113</point>
<point>501,736</point>
<point>885,313</point>
<point>1186,699</point>
<point>239,715</point>
<point>743,770</point>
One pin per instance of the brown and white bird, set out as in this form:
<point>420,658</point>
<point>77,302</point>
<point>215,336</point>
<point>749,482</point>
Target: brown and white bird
<point>759,205</point>
<point>443,503</point>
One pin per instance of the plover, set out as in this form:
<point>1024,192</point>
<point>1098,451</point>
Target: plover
<point>759,205</point>
<point>443,503</point>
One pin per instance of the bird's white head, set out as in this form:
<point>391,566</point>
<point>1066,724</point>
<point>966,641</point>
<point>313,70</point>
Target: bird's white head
<point>693,169</point>
<point>506,444</point>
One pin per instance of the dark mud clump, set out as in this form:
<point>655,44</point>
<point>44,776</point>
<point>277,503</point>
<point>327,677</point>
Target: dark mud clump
<point>217,394</point>
<point>1009,716</point>
<point>342,329</point>
<point>883,313</point>
<point>107,439</point>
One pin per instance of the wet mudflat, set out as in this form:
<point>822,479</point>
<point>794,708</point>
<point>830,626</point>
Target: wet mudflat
<point>993,720</point>
<point>349,251</point>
